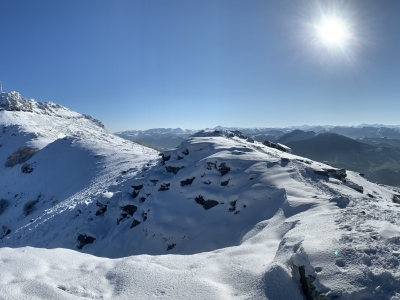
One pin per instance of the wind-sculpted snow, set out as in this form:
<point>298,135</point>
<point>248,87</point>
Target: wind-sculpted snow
<point>253,222</point>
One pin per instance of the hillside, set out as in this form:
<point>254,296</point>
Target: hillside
<point>278,226</point>
<point>219,217</point>
<point>379,163</point>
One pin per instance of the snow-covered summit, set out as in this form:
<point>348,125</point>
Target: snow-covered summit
<point>13,101</point>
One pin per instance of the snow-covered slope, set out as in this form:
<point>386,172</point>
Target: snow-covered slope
<point>74,158</point>
<point>253,222</point>
<point>278,226</point>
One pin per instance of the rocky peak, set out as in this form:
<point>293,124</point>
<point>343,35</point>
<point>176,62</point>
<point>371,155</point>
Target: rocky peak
<point>13,101</point>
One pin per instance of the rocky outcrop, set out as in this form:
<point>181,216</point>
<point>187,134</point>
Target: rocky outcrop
<point>84,239</point>
<point>174,170</point>
<point>223,169</point>
<point>207,204</point>
<point>188,181</point>
<point>4,231</point>
<point>26,168</point>
<point>277,146</point>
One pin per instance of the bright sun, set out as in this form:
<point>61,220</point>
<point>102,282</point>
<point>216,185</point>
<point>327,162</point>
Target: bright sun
<point>333,32</point>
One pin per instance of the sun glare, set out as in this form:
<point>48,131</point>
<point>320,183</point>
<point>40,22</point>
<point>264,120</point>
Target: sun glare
<point>333,32</point>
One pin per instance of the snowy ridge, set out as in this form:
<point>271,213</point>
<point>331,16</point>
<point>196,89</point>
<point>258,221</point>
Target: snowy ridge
<point>253,222</point>
<point>279,226</point>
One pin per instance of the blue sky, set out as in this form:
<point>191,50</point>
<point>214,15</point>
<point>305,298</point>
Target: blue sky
<point>195,64</point>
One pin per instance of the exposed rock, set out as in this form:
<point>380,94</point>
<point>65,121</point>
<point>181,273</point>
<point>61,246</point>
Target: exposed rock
<point>84,239</point>
<point>233,206</point>
<point>174,170</point>
<point>142,199</point>
<point>135,223</point>
<point>396,199</point>
<point>129,209</point>
<point>223,169</point>
<point>29,206</point>
<point>144,216</point>
<point>134,194</point>
<point>102,210</point>
<point>164,187</point>
<point>285,159</point>
<point>3,205</point>
<point>277,146</point>
<point>179,157</point>
<point>335,173</point>
<point>187,181</point>
<point>26,168</point>
<point>308,287</point>
<point>250,140</point>
<point>207,182</point>
<point>4,231</point>
<point>225,183</point>
<point>207,204</point>
<point>185,152</point>
<point>137,187</point>
<point>354,186</point>
<point>153,181</point>
<point>171,246</point>
<point>165,157</point>
<point>20,156</point>
<point>211,165</point>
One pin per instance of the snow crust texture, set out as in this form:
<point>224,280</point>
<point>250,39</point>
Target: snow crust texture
<point>219,217</point>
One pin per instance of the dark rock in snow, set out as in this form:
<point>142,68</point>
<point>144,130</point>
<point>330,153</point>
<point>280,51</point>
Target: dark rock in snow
<point>186,152</point>
<point>84,239</point>
<point>134,194</point>
<point>144,216</point>
<point>207,204</point>
<point>3,205</point>
<point>233,206</point>
<point>137,187</point>
<point>153,181</point>
<point>335,173</point>
<point>171,246</point>
<point>277,146</point>
<point>187,181</point>
<point>165,157</point>
<point>211,165</point>
<point>174,170</point>
<point>4,231</point>
<point>223,169</point>
<point>164,187</point>
<point>26,168</point>
<point>308,288</point>
<point>135,223</point>
<point>129,209</point>
<point>29,206</point>
<point>225,183</point>
<point>102,210</point>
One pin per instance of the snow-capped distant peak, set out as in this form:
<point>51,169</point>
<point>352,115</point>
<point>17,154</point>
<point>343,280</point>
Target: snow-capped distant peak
<point>13,101</point>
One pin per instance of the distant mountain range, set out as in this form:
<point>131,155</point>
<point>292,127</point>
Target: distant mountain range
<point>171,137</point>
<point>369,149</point>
